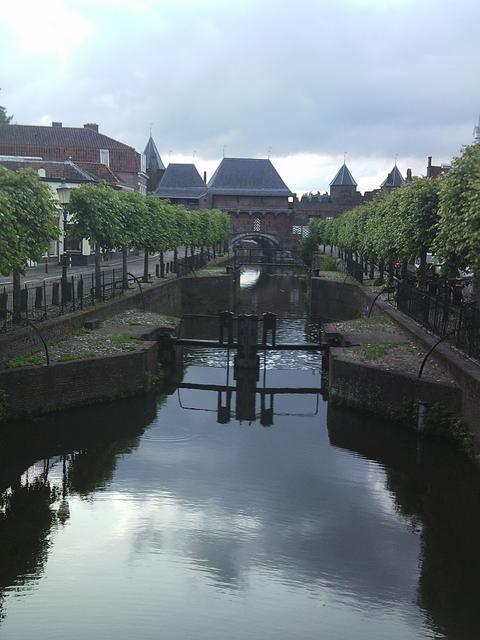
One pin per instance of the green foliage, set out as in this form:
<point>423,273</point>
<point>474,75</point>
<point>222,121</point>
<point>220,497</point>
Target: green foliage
<point>458,238</point>
<point>369,351</point>
<point>28,218</point>
<point>4,119</point>
<point>97,216</point>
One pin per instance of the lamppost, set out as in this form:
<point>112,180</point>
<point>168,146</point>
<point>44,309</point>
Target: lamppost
<point>64,198</point>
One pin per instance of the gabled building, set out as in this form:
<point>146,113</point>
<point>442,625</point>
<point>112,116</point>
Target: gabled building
<point>182,184</point>
<point>259,202</point>
<point>92,151</point>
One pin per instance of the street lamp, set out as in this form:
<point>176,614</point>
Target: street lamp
<point>64,198</point>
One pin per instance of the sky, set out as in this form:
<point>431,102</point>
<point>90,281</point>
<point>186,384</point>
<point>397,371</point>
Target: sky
<point>303,82</point>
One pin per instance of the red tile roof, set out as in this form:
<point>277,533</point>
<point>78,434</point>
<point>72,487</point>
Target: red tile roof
<point>78,137</point>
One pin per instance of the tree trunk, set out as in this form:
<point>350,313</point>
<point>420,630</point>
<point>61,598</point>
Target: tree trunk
<point>403,269</point>
<point>372,269</point>
<point>381,268</point>
<point>162,265</point>
<point>214,252</point>
<point>145,266</point>
<point>98,273</point>
<point>125,268</point>
<point>16,295</point>
<point>175,258</point>
<point>390,271</point>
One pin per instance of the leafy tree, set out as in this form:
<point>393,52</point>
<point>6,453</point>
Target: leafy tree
<point>458,238</point>
<point>4,119</point>
<point>96,216</point>
<point>133,212</point>
<point>29,223</point>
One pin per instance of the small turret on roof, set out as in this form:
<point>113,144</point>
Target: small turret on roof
<point>393,180</point>
<point>343,178</point>
<point>152,157</point>
<point>476,132</point>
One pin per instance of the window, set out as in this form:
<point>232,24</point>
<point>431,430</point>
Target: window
<point>257,224</point>
<point>105,157</point>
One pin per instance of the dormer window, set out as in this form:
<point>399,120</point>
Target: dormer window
<point>105,157</point>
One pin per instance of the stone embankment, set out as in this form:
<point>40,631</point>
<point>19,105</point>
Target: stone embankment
<point>374,364</point>
<point>106,352</point>
<point>116,359</point>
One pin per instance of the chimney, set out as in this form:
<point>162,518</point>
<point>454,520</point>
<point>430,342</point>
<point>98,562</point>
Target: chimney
<point>56,124</point>
<point>409,175</point>
<point>91,125</point>
<point>429,167</point>
<point>205,177</point>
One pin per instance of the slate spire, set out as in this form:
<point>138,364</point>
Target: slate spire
<point>152,157</point>
<point>343,178</point>
<point>393,180</point>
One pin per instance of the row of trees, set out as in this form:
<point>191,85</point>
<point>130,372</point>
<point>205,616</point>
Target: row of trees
<point>109,219</point>
<point>441,215</point>
<point>113,220</point>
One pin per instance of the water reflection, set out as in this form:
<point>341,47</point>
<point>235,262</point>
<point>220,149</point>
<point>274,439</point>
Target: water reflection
<point>327,524</point>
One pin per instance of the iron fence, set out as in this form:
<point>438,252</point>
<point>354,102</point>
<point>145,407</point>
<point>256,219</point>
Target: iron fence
<point>50,298</point>
<point>442,315</point>
<point>354,269</point>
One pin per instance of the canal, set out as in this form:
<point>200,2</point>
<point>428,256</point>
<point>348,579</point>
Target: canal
<point>174,516</point>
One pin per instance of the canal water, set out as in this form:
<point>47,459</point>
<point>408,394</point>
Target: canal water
<point>274,516</point>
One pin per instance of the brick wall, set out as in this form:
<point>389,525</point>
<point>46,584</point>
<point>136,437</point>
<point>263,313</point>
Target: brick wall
<point>37,390</point>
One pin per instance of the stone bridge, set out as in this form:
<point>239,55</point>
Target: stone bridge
<point>280,229</point>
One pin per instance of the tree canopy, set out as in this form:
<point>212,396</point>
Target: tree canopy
<point>28,218</point>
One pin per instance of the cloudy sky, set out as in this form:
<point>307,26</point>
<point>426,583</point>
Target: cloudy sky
<point>304,81</point>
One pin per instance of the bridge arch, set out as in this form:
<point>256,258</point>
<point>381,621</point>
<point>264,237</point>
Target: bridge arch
<point>265,240</point>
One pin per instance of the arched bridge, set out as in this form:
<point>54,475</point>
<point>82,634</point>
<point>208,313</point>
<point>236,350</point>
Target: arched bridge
<point>269,229</point>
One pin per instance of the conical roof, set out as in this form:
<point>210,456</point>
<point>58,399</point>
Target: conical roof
<point>343,178</point>
<point>152,157</point>
<point>394,179</point>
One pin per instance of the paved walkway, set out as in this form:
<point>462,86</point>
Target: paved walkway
<point>36,275</point>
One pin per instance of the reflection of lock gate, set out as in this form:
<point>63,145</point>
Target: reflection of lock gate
<point>247,364</point>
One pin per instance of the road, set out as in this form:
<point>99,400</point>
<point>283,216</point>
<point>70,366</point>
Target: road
<point>36,275</point>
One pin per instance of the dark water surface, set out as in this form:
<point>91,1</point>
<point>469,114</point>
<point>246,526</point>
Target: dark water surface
<point>146,518</point>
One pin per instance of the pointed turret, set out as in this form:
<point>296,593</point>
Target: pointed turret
<point>343,178</point>
<point>343,186</point>
<point>393,180</point>
<point>154,165</point>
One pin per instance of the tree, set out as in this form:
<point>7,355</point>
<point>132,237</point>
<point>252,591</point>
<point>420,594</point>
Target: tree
<point>133,212</point>
<point>4,119</point>
<point>458,238</point>
<point>96,216</point>
<point>29,222</point>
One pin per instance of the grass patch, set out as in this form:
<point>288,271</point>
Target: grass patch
<point>369,351</point>
<point>30,359</point>
<point>325,263</point>
<point>82,355</point>
<point>363,323</point>
<point>125,338</point>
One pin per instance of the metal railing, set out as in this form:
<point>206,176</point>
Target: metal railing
<point>442,316</point>
<point>50,298</point>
